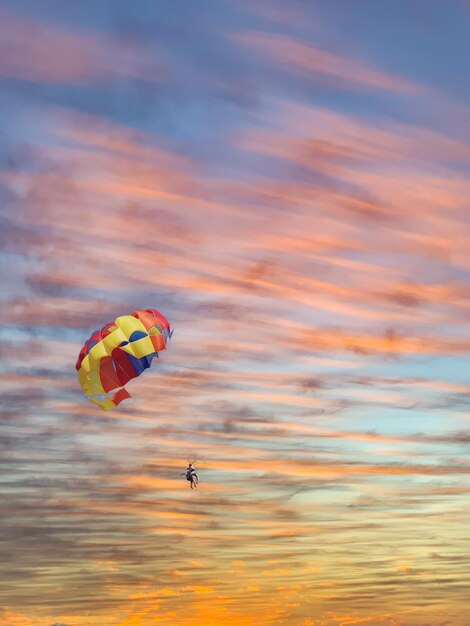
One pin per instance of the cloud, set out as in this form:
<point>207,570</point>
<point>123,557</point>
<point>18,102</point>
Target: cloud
<point>40,51</point>
<point>388,342</point>
<point>307,60</point>
<point>311,252</point>
<point>319,138</point>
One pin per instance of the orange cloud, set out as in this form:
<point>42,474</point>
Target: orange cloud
<point>387,343</point>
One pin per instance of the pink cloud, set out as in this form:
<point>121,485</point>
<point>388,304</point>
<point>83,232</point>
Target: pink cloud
<point>296,56</point>
<point>37,50</point>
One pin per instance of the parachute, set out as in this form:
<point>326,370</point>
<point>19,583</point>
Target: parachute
<point>118,352</point>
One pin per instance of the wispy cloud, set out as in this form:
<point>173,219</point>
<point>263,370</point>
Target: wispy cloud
<point>43,51</point>
<point>315,63</point>
<point>300,214</point>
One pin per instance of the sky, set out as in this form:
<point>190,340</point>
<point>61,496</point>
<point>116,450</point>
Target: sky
<point>288,183</point>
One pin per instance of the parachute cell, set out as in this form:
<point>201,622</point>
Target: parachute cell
<point>118,352</point>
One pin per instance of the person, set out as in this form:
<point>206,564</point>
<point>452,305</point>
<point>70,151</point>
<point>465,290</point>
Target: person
<point>191,475</point>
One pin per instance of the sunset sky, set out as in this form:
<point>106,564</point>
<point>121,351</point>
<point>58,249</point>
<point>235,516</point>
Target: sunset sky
<point>287,181</point>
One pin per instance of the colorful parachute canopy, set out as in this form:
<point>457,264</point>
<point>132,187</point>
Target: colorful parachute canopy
<point>118,352</point>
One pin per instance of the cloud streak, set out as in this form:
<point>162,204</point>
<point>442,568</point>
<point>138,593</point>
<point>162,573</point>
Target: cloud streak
<point>41,51</point>
<point>310,61</point>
